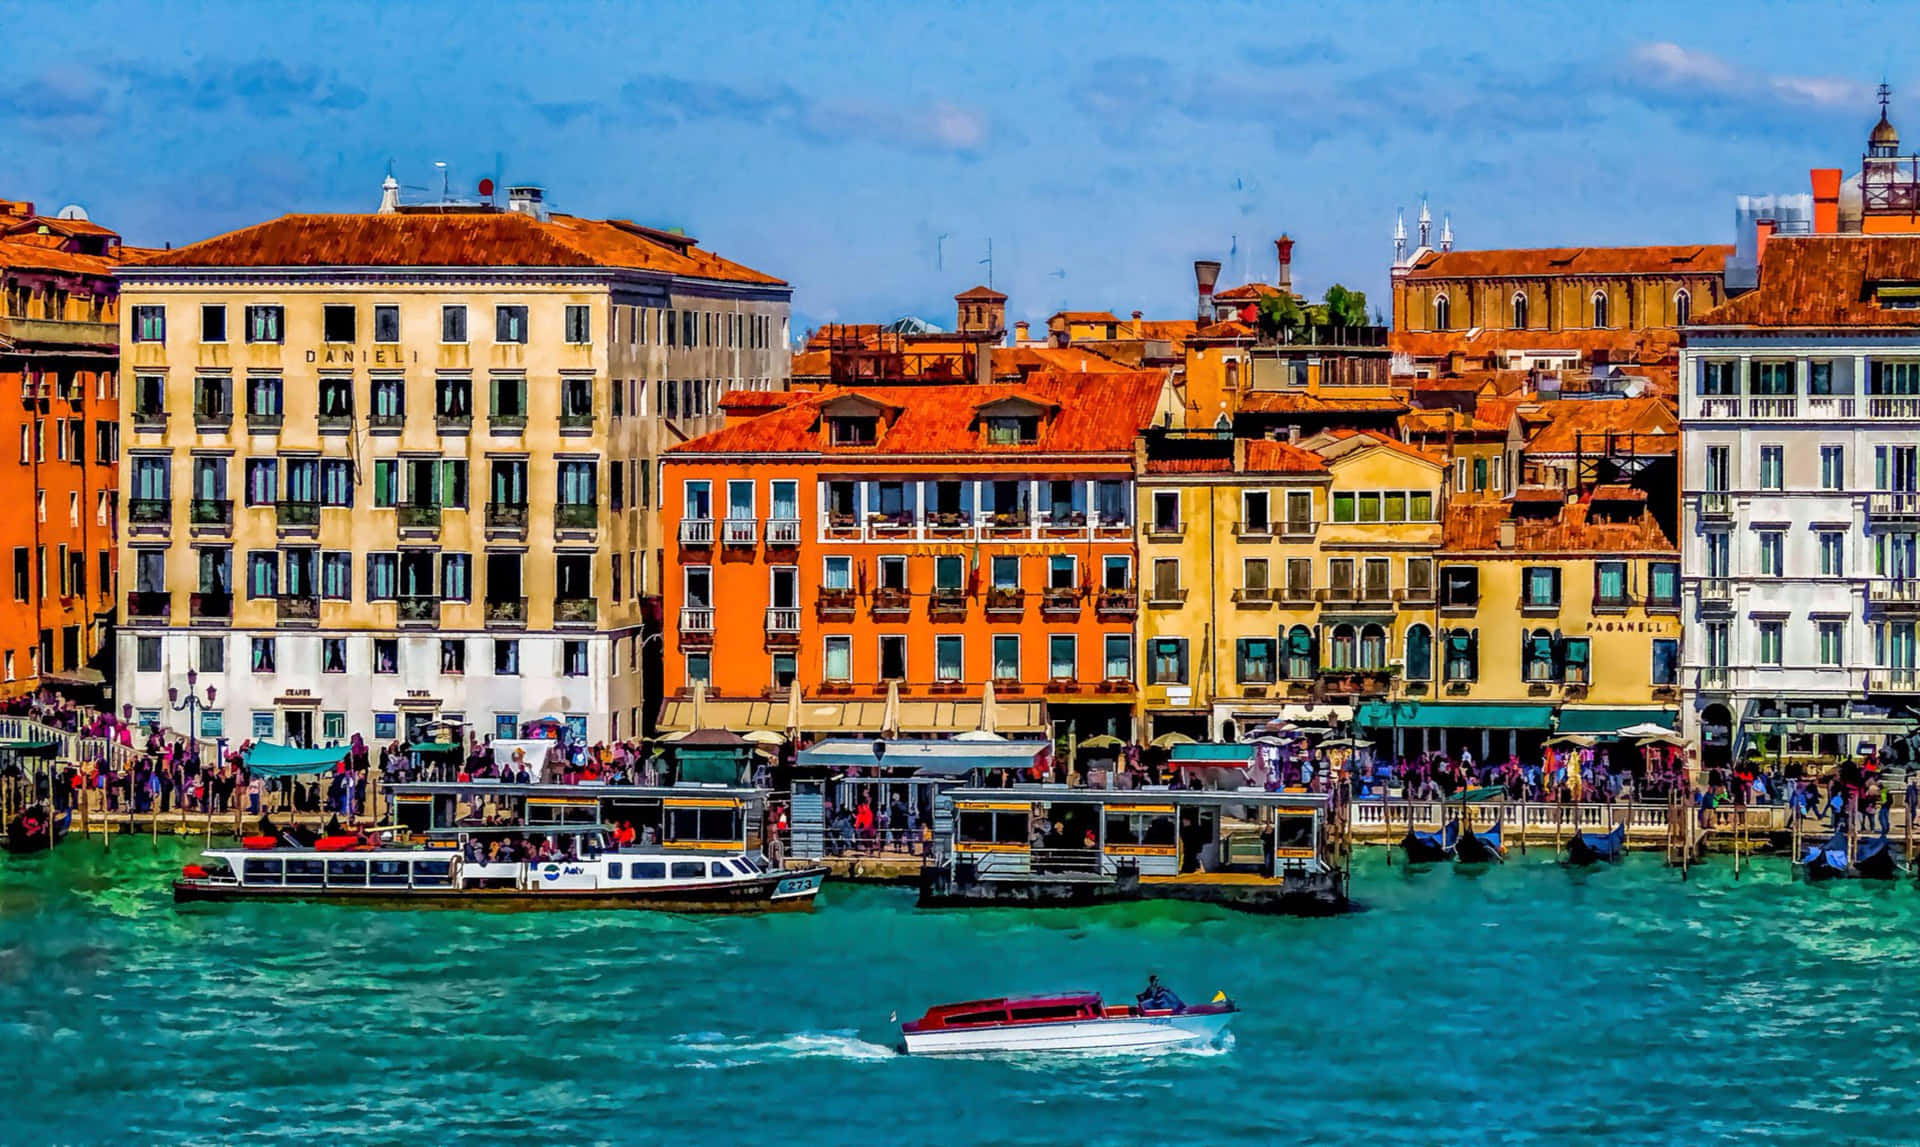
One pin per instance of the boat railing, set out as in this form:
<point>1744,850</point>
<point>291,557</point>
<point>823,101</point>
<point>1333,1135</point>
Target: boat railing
<point>1065,861</point>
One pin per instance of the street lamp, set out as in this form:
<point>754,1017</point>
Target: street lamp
<point>191,706</point>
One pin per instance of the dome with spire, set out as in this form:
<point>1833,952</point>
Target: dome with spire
<point>1884,134</point>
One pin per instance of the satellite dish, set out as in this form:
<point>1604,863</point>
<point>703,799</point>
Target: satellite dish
<point>486,188</point>
<point>73,211</point>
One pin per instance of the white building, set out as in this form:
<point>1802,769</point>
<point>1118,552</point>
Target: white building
<point>1800,417</point>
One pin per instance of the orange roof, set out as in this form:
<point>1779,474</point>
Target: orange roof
<point>1341,440</point>
<point>434,239</point>
<point>58,226</point>
<point>1270,456</point>
<point>1088,414</point>
<point>1011,360</point>
<point>1825,280</point>
<point>1270,402</point>
<point>1230,329</point>
<point>1175,330</point>
<point>810,363</point>
<point>1653,344</point>
<point>1085,316</point>
<point>1707,259</point>
<point>1573,423</point>
<point>26,253</point>
<point>1475,526</point>
<point>1248,291</point>
<point>758,401</point>
<point>981,294</point>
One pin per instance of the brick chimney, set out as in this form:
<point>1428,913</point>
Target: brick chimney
<point>1763,230</point>
<point>1283,247</point>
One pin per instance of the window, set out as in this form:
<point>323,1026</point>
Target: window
<point>1663,584</point>
<point>1167,661</point>
<point>1831,654</point>
<point>1600,309</point>
<point>1116,573</point>
<point>1166,511</point>
<point>506,658</point>
<point>150,324</point>
<point>1166,579</point>
<point>263,573</point>
<point>383,576</point>
<point>1063,572</point>
<point>1542,587</point>
<point>579,324</point>
<point>1463,655</point>
<point>1063,657</point>
<point>1118,664</point>
<point>386,323</point>
<point>1610,583</point>
<point>1459,587</point>
<point>949,572</point>
<point>1254,518</point>
<point>265,324</point>
<point>263,397</point>
<point>1772,553</point>
<point>699,669</point>
<point>510,324</point>
<point>213,323</point>
<point>1770,632</point>
<point>1442,313</point>
<point>338,323</point>
<point>1519,311</point>
<point>852,431</point>
<point>262,654</point>
<point>456,577</point>
<point>573,655</point>
<point>786,667</point>
<point>946,658</point>
<point>1255,579</point>
<point>1254,660</point>
<point>453,323</point>
<point>336,576</point>
<point>1773,378</point>
<point>1771,467</point>
<point>1419,659</point>
<point>838,573</point>
<point>838,655</point>
<point>893,657</point>
<point>1832,554</point>
<point>1006,657</point>
<point>1719,378</point>
<point>1575,658</point>
<point>146,656</point>
<point>333,655</point>
<point>1833,468</point>
<point>1682,308</point>
<point>1820,378</point>
<point>1666,661</point>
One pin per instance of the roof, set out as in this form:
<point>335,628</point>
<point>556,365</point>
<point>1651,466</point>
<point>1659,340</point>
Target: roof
<point>1339,443</point>
<point>755,401</point>
<point>1475,526</point>
<point>1646,345</point>
<point>1263,456</point>
<point>1249,291</point>
<point>1173,330</point>
<point>1271,402</point>
<point>28,252</point>
<point>60,226</point>
<point>1085,316</point>
<point>1097,413</point>
<point>1704,259</point>
<point>1572,419</point>
<point>1010,360</point>
<point>1230,329</point>
<point>435,239</point>
<point>980,295</point>
<point>1825,280</point>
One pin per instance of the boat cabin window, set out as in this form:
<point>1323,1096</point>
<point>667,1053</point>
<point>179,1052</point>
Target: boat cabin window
<point>649,870</point>
<point>428,873</point>
<point>968,1019</point>
<point>711,825</point>
<point>689,870</point>
<point>414,815</point>
<point>547,812</point>
<point>1293,830</point>
<point>387,872</point>
<point>1139,828</point>
<point>261,871</point>
<point>347,872</point>
<point>993,827</point>
<point>1051,1012</point>
<point>613,870</point>
<point>305,871</point>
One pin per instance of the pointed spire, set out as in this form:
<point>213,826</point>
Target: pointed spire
<point>1426,225</point>
<point>1446,232</point>
<point>1400,238</point>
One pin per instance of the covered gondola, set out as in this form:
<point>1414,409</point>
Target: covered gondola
<point>1597,847</point>
<point>1432,847</point>
<point>1481,847</point>
<point>1874,859</point>
<point>35,830</point>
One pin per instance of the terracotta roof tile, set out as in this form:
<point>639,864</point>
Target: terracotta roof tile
<point>1085,316</point>
<point>37,256</point>
<point>1270,456</point>
<point>1248,291</point>
<point>1189,465</point>
<point>1271,402</point>
<point>1475,527</point>
<point>1231,329</point>
<point>981,294</point>
<point>431,239</point>
<point>1706,259</point>
<point>1573,421</point>
<point>1488,345</point>
<point>1825,280</point>
<point>1340,442</point>
<point>1097,413</point>
<point>1173,330</point>
<point>758,401</point>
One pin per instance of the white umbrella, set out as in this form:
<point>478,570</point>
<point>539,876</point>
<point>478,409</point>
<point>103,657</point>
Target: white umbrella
<point>1645,729</point>
<point>698,719</point>
<point>890,716</point>
<point>793,706</point>
<point>989,718</point>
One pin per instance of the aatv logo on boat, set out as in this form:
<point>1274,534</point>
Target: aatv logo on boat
<point>551,872</point>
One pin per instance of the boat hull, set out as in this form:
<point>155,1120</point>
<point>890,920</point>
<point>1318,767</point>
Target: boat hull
<point>1323,894</point>
<point>1585,848</point>
<point>791,891</point>
<point>1132,1033</point>
<point>19,842</point>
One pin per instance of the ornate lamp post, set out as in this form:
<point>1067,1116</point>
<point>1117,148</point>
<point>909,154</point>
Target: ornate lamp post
<point>191,705</point>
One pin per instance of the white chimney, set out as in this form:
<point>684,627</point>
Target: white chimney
<point>389,195</point>
<point>528,200</point>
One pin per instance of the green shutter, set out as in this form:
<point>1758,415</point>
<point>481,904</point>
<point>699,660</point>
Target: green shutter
<point>383,484</point>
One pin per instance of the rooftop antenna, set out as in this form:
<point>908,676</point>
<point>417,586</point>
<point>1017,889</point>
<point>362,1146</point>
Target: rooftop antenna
<point>988,261</point>
<point>445,187</point>
<point>940,251</point>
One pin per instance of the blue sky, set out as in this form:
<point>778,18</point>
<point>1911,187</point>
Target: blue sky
<point>1101,146</point>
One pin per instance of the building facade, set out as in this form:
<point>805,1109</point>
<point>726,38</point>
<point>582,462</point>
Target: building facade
<point>873,558</point>
<point>59,339</point>
<point>1800,422</point>
<point>395,468</point>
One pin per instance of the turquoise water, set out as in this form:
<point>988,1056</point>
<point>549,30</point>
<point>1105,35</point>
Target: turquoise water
<point>1535,1004</point>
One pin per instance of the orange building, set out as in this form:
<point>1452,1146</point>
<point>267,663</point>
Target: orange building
<point>59,353</point>
<point>885,552</point>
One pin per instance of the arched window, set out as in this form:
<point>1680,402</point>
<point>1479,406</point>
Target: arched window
<point>1442,313</point>
<point>1540,656</point>
<point>1463,655</point>
<point>1600,309</point>
<point>1373,648</point>
<point>1299,653</point>
<point>1419,653</point>
<point>1682,307</point>
<point>1343,651</point>
<point>1519,310</point>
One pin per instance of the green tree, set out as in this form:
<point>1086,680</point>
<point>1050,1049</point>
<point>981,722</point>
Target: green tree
<point>1345,308</point>
<point>1280,312</point>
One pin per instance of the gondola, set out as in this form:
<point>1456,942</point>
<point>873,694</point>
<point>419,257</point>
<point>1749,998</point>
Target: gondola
<point>1432,847</point>
<point>1597,847</point>
<point>1874,859</point>
<point>28,833</point>
<point>1481,847</point>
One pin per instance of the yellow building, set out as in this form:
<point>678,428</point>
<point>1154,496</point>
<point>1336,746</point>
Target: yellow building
<point>399,467</point>
<point>1555,615</point>
<point>1309,378</point>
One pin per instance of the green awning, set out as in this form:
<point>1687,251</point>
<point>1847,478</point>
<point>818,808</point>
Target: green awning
<point>266,759</point>
<point>1452,715</point>
<point>1210,754</point>
<point>1607,722</point>
<point>433,747</point>
<point>29,748</point>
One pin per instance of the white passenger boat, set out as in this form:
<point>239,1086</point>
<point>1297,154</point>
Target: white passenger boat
<point>1072,1021</point>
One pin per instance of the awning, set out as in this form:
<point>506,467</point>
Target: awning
<point>433,747</point>
<point>1607,722</point>
<point>941,717</point>
<point>28,748</point>
<point>1212,754</point>
<point>1453,715</point>
<point>266,759</point>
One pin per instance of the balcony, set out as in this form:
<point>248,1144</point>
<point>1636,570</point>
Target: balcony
<point>1716,595</point>
<point>1661,604</point>
<point>1903,682</point>
<point>506,519</point>
<point>210,608</point>
<point>1894,506</point>
<point>1715,679</point>
<point>211,513</point>
<point>1006,601</point>
<point>1166,531</point>
<point>290,514</point>
<point>149,606</point>
<point>1720,408</point>
<point>506,612</point>
<point>418,610</point>
<point>1829,406</point>
<point>576,611</point>
<point>841,524</point>
<point>891,601</point>
<point>1459,604</point>
<point>783,621</point>
<point>949,524</point>
<point>890,525</point>
<point>506,423</point>
<point>739,532</point>
<point>1773,408</point>
<point>1065,522</point>
<point>576,516</point>
<point>1115,603</point>
<point>1716,505</point>
<point>783,531</point>
<point>1297,594</point>
<point>392,422</point>
<point>1538,607</point>
<point>1253,596</point>
<point>297,609</point>
<point>1353,683</point>
<point>696,531</point>
<point>835,604</point>
<point>1902,408</point>
<point>453,421</point>
<point>1253,531</point>
<point>265,421</point>
<point>1894,595</point>
<point>1418,596</point>
<point>1376,595</point>
<point>1009,523</point>
<point>415,518</point>
<point>1167,597</point>
<point>1618,603</point>
<point>212,419</point>
<point>334,423</point>
<point>1060,602</point>
<point>576,422</point>
<point>1339,594</point>
<point>696,626</point>
<point>150,512</point>
<point>151,421</point>
<point>61,332</point>
<point>1298,530</point>
<point>947,605</point>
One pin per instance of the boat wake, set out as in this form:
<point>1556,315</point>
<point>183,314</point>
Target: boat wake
<point>713,1049</point>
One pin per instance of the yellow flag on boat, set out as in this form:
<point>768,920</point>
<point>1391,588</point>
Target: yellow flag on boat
<point>1220,997</point>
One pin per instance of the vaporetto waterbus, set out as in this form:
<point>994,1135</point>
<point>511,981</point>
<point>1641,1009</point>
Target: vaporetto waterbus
<point>509,846</point>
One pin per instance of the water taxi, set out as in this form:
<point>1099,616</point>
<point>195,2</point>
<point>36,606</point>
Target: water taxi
<point>1073,1021</point>
<point>508,846</point>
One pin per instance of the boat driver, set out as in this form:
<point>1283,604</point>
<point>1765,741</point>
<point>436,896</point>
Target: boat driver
<point>1158,998</point>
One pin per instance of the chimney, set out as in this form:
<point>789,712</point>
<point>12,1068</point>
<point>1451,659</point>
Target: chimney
<point>1206,272</point>
<point>1826,200</point>
<point>1136,324</point>
<point>1763,230</point>
<point>1020,333</point>
<point>1293,435</point>
<point>1508,533</point>
<point>1283,246</point>
<point>528,200</point>
<point>389,195</point>
<point>1239,456</point>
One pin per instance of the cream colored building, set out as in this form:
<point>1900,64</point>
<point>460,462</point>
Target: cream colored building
<point>394,468</point>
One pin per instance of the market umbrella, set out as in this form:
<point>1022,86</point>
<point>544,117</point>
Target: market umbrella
<point>1662,738</point>
<point>1572,740</point>
<point>764,737</point>
<point>1344,743</point>
<point>1102,741</point>
<point>698,720</point>
<point>793,706</point>
<point>989,718</point>
<point>1169,740</point>
<point>978,735</point>
<point>1645,729</point>
<point>890,716</point>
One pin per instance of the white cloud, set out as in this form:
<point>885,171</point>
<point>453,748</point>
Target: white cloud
<point>1673,66</point>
